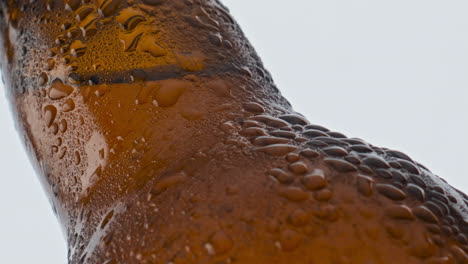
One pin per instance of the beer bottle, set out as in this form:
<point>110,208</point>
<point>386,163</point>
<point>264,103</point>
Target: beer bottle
<point>159,137</point>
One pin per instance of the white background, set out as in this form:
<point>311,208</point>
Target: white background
<point>394,73</point>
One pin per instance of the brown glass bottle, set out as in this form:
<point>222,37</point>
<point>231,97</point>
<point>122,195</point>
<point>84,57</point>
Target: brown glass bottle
<point>160,138</point>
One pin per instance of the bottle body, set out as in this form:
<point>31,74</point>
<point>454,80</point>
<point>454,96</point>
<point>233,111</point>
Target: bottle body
<point>160,138</point>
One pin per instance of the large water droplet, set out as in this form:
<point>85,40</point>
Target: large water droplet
<point>148,44</point>
<point>130,18</point>
<point>289,240</point>
<point>77,158</point>
<point>83,12</point>
<point>169,182</point>
<point>50,112</point>
<point>108,7</point>
<point>77,48</point>
<point>59,90</point>
<point>170,91</point>
<point>68,106</point>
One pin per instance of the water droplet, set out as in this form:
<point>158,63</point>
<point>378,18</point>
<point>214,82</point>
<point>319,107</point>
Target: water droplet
<point>108,7</point>
<point>50,64</point>
<point>75,78</point>
<point>77,48</point>
<point>68,106</point>
<point>63,152</point>
<point>270,121</point>
<point>409,166</point>
<point>54,149</point>
<point>281,176</point>
<point>83,12</point>
<point>77,158</point>
<point>74,33</point>
<point>290,240</point>
<point>365,185</point>
<point>253,132</point>
<point>298,167</point>
<point>95,176</point>
<point>254,108</point>
<point>294,194</point>
<point>72,4</point>
<point>191,61</point>
<point>266,141</point>
<point>130,18</point>
<point>102,90</point>
<point>400,212</point>
<point>219,87</point>
<point>145,94</point>
<point>191,113</point>
<point>376,162</point>
<point>323,195</point>
<point>313,133</point>
<point>169,182</point>
<point>335,151</point>
<point>149,44</point>
<point>277,149</point>
<point>50,112</point>
<point>327,212</point>
<point>315,181</point>
<point>54,128</point>
<point>425,214</point>
<point>210,249</point>
<point>299,218</point>
<point>59,90</point>
<point>284,134</point>
<point>50,5</point>
<point>170,90</point>
<point>130,40</point>
<point>63,126</point>
<point>308,153</point>
<point>43,78</point>
<point>88,25</point>
<point>138,75</point>
<point>391,192</point>
<point>340,165</point>
<point>294,119</point>
<point>293,157</point>
<point>215,39</point>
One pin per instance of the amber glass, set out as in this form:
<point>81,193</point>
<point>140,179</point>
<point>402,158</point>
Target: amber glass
<point>160,138</point>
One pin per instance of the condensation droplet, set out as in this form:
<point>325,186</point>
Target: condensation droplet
<point>63,126</point>
<point>43,78</point>
<point>77,158</point>
<point>169,182</point>
<point>169,92</point>
<point>108,7</point>
<point>59,90</point>
<point>68,106</point>
<point>290,240</point>
<point>77,48</point>
<point>149,45</point>
<point>50,112</point>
